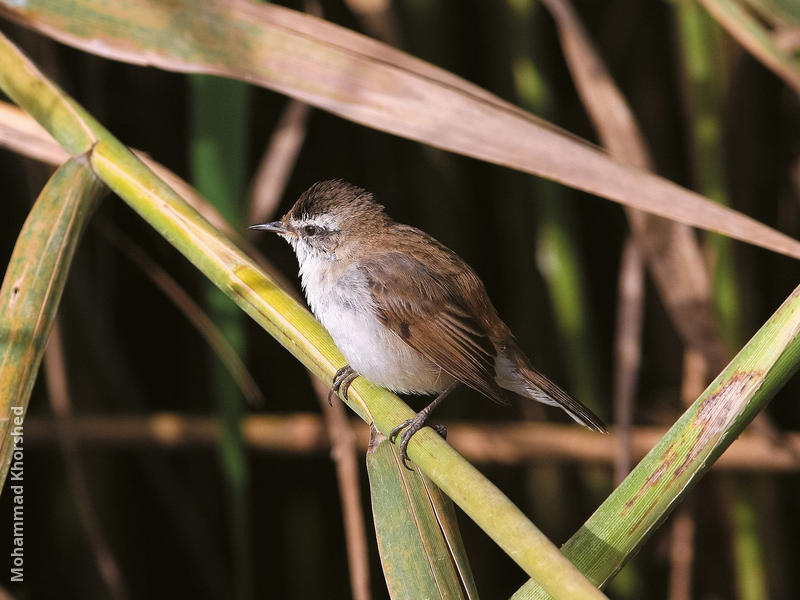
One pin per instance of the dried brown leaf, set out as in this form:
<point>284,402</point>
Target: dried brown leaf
<point>369,83</point>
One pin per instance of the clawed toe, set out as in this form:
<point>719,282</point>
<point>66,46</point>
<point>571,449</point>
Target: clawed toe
<point>345,387</point>
<point>341,382</point>
<point>398,429</point>
<point>409,427</point>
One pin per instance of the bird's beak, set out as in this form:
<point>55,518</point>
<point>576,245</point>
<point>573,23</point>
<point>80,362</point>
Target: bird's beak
<point>274,227</point>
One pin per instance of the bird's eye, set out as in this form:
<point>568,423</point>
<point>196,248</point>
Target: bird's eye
<point>311,230</point>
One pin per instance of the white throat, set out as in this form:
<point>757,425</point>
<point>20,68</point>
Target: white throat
<point>318,276</point>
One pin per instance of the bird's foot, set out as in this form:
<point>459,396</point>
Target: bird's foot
<point>409,427</point>
<point>341,382</point>
<point>412,426</point>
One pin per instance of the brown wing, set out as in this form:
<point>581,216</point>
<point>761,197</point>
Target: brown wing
<point>437,322</point>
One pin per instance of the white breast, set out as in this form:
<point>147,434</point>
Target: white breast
<point>343,304</point>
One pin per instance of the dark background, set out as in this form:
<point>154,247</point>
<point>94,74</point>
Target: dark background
<point>130,351</point>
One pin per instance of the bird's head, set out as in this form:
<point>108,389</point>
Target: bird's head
<point>330,219</point>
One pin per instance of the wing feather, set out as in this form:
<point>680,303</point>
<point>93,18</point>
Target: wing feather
<point>427,312</point>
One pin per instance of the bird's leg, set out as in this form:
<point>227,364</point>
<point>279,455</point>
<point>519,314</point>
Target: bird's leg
<point>341,382</point>
<point>412,426</point>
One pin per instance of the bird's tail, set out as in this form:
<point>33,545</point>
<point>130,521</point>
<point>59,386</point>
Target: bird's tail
<point>515,373</point>
<point>540,388</point>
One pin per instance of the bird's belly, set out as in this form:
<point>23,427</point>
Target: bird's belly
<point>381,356</point>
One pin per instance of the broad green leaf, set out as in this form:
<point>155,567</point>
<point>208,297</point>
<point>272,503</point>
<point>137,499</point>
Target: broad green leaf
<point>420,545</point>
<point>32,288</point>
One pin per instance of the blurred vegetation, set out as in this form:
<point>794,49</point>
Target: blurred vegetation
<point>176,518</point>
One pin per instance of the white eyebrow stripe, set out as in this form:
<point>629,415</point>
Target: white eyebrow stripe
<point>326,221</point>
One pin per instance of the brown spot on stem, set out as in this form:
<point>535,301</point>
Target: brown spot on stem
<point>714,416</point>
<point>16,287</point>
<point>642,518</point>
<point>667,458</point>
<point>719,410</point>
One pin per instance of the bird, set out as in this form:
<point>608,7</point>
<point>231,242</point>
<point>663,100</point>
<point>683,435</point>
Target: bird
<point>407,312</point>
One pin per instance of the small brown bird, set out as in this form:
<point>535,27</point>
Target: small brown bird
<point>407,312</point>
